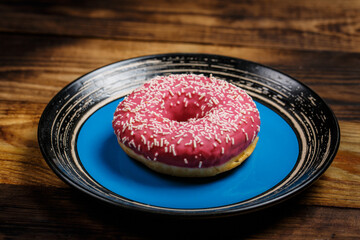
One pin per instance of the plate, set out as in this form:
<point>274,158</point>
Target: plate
<point>298,140</point>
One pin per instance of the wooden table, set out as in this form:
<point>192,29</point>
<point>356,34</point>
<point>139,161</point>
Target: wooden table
<point>46,45</point>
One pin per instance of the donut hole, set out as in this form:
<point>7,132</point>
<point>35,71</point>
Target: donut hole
<point>187,105</point>
<point>183,113</point>
<point>184,116</point>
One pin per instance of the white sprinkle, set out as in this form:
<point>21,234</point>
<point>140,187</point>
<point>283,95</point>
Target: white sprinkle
<point>194,144</point>
<point>132,143</point>
<point>247,138</point>
<point>200,164</point>
<point>173,150</point>
<point>232,141</point>
<point>171,93</point>
<point>252,119</point>
<point>185,160</point>
<point>178,142</point>
<point>189,143</point>
<point>215,101</point>
<point>143,138</point>
<point>222,150</point>
<point>215,145</point>
<point>166,150</point>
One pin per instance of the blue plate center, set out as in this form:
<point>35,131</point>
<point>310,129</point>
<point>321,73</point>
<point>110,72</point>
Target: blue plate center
<point>272,160</point>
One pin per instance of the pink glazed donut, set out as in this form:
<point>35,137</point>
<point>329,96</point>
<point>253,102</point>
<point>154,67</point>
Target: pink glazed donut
<point>188,125</point>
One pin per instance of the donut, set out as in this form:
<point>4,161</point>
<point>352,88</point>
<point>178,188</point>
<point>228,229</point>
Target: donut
<point>187,125</point>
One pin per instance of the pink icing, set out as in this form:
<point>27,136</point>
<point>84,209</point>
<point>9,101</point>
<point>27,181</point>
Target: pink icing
<point>187,120</point>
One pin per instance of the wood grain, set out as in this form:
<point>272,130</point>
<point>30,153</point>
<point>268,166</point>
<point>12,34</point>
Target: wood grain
<point>45,45</point>
<point>45,65</point>
<point>322,25</point>
<point>65,213</point>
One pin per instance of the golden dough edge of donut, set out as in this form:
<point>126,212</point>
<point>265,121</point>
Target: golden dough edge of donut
<point>192,172</point>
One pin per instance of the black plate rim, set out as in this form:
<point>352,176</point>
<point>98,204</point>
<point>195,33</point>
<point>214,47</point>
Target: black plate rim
<point>205,212</point>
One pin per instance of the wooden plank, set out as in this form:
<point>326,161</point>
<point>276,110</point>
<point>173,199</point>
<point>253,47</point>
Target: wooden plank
<point>37,70</point>
<point>49,213</point>
<point>307,24</point>
<point>339,186</point>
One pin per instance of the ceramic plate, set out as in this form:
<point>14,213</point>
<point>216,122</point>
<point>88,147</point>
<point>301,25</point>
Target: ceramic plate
<point>298,140</point>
